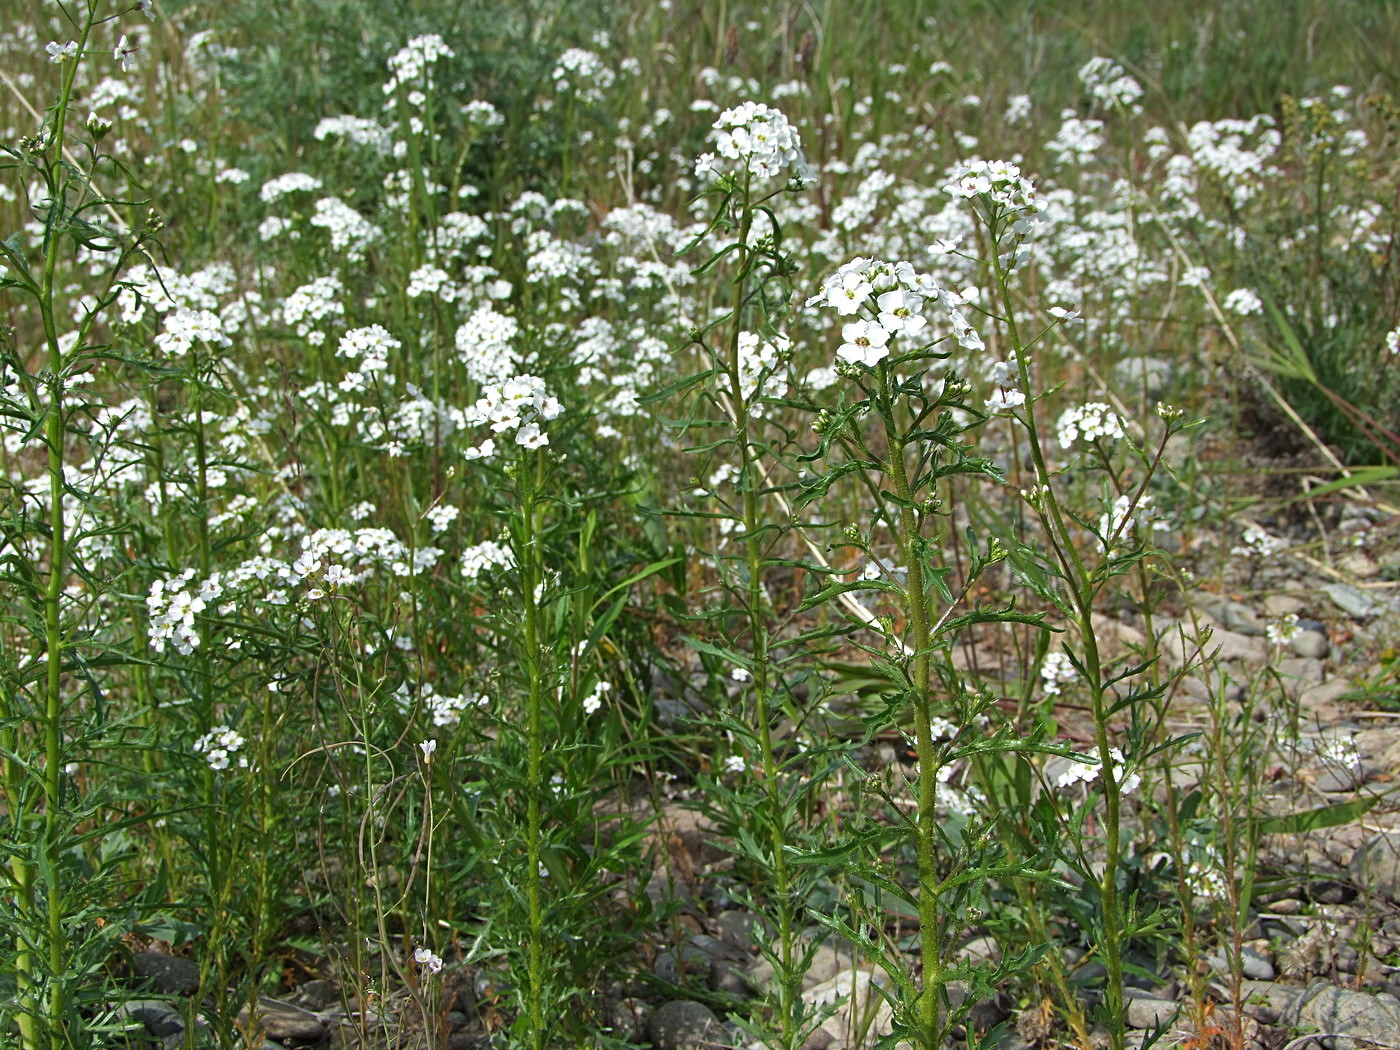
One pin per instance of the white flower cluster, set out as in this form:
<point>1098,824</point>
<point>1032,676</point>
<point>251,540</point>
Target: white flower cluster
<point>173,605</point>
<point>483,345</point>
<point>350,232</point>
<point>1006,378</point>
<point>1089,771</point>
<point>183,328</point>
<point>482,114</point>
<point>220,747</point>
<point>292,182</point>
<point>892,296</point>
<point>486,557</point>
<point>1243,301</point>
<point>1258,544</point>
<point>371,346</point>
<point>584,72</point>
<point>1144,514</point>
<point>999,180</point>
<point>447,710</point>
<point>410,64</point>
<point>593,702</point>
<point>755,138</point>
<point>1055,671</point>
<point>309,305</point>
<point>1392,342</point>
<point>1088,422</point>
<point>758,362</point>
<point>1106,81</point>
<point>520,404</point>
<point>358,131</point>
<point>1283,630</point>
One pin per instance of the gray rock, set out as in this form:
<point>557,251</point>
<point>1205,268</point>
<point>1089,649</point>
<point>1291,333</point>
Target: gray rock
<point>1295,669</point>
<point>1265,1001</point>
<point>729,978</point>
<point>1352,1020</point>
<point>737,928</point>
<point>677,967</point>
<point>1235,616</point>
<point>1339,779</point>
<point>683,1025</point>
<point>158,1017</point>
<point>1145,1011</point>
<point>282,1022</point>
<point>1375,867</point>
<point>168,974</point>
<point>318,995</point>
<point>627,1018</point>
<point>1355,602</point>
<point>1312,645</point>
<point>1253,965</point>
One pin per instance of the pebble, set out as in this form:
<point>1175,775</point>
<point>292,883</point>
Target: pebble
<point>168,974</point>
<point>1355,602</point>
<point>1352,1019</point>
<point>1337,779</point>
<point>1146,1011</point>
<point>283,1022</point>
<point>1252,963</point>
<point>627,1018</point>
<point>736,928</point>
<point>158,1017</point>
<point>1312,645</point>
<point>1375,867</point>
<point>684,1025</point>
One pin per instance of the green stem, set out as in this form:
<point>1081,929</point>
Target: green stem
<point>531,573</point>
<point>789,980</point>
<point>916,598</point>
<point>1082,590</point>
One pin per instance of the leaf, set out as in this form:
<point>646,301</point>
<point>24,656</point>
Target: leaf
<point>1315,819</point>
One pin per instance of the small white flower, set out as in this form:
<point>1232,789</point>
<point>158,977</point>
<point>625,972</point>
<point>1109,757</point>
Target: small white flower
<point>61,52</point>
<point>428,959</point>
<point>735,764</point>
<point>865,343</point>
<point>125,54</point>
<point>428,747</point>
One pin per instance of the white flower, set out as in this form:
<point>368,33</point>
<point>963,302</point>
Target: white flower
<point>899,312</point>
<point>1004,399</point>
<point>125,54</point>
<point>427,747</point>
<point>1243,301</point>
<point>1283,630</point>
<point>1088,422</point>
<point>61,52</point>
<point>427,959</point>
<point>1089,771</point>
<point>735,764</point>
<point>864,343</point>
<point>851,290</point>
